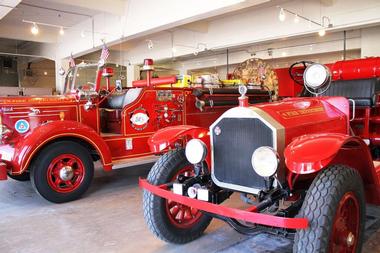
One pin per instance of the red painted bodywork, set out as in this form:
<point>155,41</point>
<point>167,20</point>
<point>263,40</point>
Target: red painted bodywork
<point>356,69</point>
<point>316,133</point>
<point>246,215</point>
<point>155,81</point>
<point>109,132</point>
<point>169,136</point>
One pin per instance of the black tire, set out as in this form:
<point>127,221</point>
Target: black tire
<point>39,171</point>
<point>22,178</point>
<point>155,212</point>
<point>320,207</point>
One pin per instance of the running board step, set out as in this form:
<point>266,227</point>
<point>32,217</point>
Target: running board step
<point>129,162</point>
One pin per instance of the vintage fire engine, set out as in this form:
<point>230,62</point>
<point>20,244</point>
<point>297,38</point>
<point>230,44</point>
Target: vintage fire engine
<point>53,140</point>
<point>299,163</point>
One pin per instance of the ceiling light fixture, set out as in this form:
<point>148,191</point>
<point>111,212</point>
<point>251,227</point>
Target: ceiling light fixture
<point>61,31</point>
<point>324,24</point>
<point>174,49</point>
<point>150,44</point>
<point>34,29</point>
<point>296,19</point>
<point>322,32</point>
<point>281,15</point>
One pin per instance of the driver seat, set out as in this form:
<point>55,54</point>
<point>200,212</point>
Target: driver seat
<point>119,101</point>
<point>362,91</point>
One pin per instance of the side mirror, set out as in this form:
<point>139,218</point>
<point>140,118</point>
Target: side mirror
<point>118,85</point>
<point>61,71</point>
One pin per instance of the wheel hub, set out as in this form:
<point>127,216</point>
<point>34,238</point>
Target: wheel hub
<point>350,239</point>
<point>66,173</point>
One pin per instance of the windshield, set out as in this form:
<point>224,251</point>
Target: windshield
<point>83,77</point>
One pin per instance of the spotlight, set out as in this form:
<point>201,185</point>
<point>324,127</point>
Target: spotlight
<point>45,73</point>
<point>61,31</point>
<point>296,19</point>
<point>281,15</point>
<point>174,49</point>
<point>34,29</point>
<point>150,44</point>
<point>322,32</point>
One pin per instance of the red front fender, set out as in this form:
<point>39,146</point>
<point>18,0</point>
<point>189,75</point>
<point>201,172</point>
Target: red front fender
<point>30,144</point>
<point>168,136</point>
<point>310,153</point>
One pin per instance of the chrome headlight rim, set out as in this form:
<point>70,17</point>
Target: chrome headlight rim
<point>195,151</point>
<point>265,161</point>
<point>317,78</point>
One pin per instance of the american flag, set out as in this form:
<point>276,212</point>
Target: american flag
<point>105,53</point>
<point>71,61</point>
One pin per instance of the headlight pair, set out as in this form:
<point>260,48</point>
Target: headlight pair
<point>264,160</point>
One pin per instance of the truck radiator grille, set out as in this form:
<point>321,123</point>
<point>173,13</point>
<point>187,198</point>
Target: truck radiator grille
<point>233,148</point>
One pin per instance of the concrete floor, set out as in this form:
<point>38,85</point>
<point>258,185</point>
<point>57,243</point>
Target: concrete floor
<point>109,219</point>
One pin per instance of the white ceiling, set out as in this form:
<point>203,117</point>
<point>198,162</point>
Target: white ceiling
<point>6,6</point>
<point>64,13</point>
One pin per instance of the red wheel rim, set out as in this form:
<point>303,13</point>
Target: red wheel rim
<point>65,173</point>
<point>345,231</point>
<point>180,215</point>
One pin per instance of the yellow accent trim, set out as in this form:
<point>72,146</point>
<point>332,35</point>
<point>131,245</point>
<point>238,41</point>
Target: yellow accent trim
<point>37,106</point>
<point>38,115</point>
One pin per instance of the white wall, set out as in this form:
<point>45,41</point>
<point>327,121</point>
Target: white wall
<point>229,23</point>
<point>370,42</point>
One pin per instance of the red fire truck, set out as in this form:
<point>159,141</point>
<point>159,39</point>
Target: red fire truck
<point>54,140</point>
<point>306,166</point>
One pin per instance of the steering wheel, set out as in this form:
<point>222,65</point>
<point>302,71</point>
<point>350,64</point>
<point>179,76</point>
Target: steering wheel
<point>296,71</point>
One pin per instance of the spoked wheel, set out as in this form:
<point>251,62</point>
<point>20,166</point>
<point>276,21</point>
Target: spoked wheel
<point>335,208</point>
<point>169,220</point>
<point>296,71</point>
<point>62,171</point>
<point>346,225</point>
<point>180,215</point>
<point>65,173</point>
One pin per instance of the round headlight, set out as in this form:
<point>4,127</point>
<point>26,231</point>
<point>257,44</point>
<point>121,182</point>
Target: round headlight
<point>316,76</point>
<point>195,151</point>
<point>265,161</point>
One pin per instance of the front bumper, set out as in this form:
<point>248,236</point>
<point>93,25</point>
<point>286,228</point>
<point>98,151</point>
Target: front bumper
<point>245,215</point>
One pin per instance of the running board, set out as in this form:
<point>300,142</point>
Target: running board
<point>129,162</point>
